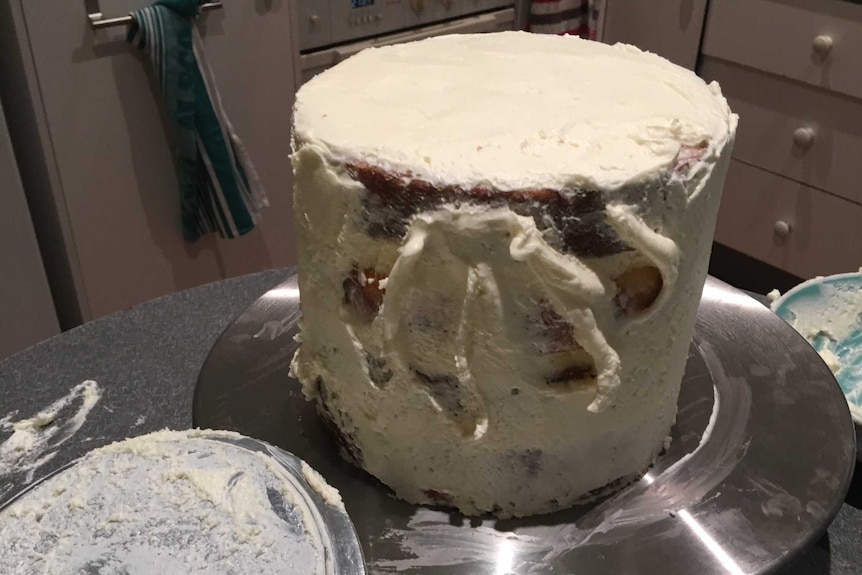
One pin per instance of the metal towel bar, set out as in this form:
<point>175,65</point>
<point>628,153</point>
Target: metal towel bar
<point>97,20</point>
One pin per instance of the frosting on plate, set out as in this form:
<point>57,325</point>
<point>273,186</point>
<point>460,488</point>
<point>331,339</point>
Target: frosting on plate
<point>168,502</point>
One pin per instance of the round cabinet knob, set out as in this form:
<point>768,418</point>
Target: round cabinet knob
<point>782,229</point>
<point>417,5</point>
<point>803,138</point>
<point>822,45</point>
<point>314,20</point>
<point>378,17</point>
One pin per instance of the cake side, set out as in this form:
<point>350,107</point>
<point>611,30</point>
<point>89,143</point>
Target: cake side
<point>466,358</point>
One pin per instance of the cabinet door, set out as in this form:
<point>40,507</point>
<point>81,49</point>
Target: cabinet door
<point>26,310</point>
<point>788,225</point>
<point>110,144</point>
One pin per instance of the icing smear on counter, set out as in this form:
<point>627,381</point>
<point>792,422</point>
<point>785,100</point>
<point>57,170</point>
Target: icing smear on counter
<point>167,502</point>
<point>34,441</point>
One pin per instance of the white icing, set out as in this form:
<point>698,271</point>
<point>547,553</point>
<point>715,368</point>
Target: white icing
<point>168,502</point>
<point>773,297</point>
<point>34,441</point>
<point>329,494</point>
<point>835,314</point>
<point>512,110</point>
<point>832,361</point>
<point>483,426</point>
<point>511,246</point>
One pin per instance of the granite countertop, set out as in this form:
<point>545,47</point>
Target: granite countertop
<point>146,362</point>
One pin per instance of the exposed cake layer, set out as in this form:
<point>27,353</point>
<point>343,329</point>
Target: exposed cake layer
<point>512,111</point>
<point>511,339</point>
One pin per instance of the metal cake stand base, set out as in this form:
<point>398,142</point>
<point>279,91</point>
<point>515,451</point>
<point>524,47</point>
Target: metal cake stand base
<point>746,497</point>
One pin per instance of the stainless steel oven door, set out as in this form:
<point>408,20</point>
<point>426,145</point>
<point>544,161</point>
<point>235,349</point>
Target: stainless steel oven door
<point>313,63</point>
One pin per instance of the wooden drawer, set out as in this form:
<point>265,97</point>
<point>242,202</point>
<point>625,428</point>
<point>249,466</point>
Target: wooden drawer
<point>778,36</point>
<point>776,117</point>
<point>824,235</point>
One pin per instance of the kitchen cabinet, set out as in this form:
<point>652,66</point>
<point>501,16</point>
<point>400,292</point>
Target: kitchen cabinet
<point>26,310</point>
<point>95,152</point>
<point>791,70</point>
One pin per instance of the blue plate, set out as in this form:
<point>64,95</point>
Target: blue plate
<point>827,311</point>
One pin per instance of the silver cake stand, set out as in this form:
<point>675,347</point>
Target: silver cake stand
<point>761,459</point>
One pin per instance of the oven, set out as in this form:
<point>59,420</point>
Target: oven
<point>332,30</point>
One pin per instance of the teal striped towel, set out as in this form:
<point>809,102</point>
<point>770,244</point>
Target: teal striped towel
<point>220,190</point>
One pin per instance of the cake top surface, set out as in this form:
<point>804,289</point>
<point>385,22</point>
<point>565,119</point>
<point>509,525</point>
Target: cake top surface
<point>511,110</point>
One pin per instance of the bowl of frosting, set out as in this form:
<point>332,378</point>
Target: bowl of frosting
<point>181,502</point>
<point>827,311</point>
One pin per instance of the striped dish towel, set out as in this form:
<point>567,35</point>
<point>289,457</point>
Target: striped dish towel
<point>220,190</point>
<point>577,17</point>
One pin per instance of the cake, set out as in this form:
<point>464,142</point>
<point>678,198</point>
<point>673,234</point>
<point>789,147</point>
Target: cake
<point>502,240</point>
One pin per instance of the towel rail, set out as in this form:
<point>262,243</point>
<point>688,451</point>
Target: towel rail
<point>97,19</point>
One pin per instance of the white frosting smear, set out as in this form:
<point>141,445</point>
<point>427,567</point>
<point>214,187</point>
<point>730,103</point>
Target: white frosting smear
<point>168,502</point>
<point>34,441</point>
<point>832,324</point>
<point>773,296</point>
<point>532,111</point>
<point>832,361</point>
<point>329,494</point>
<point>836,314</point>
<point>448,238</point>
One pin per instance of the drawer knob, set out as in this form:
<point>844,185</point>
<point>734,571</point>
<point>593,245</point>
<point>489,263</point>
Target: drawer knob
<point>782,229</point>
<point>822,45</point>
<point>803,137</point>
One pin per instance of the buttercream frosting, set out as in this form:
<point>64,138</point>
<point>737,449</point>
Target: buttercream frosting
<point>512,110</point>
